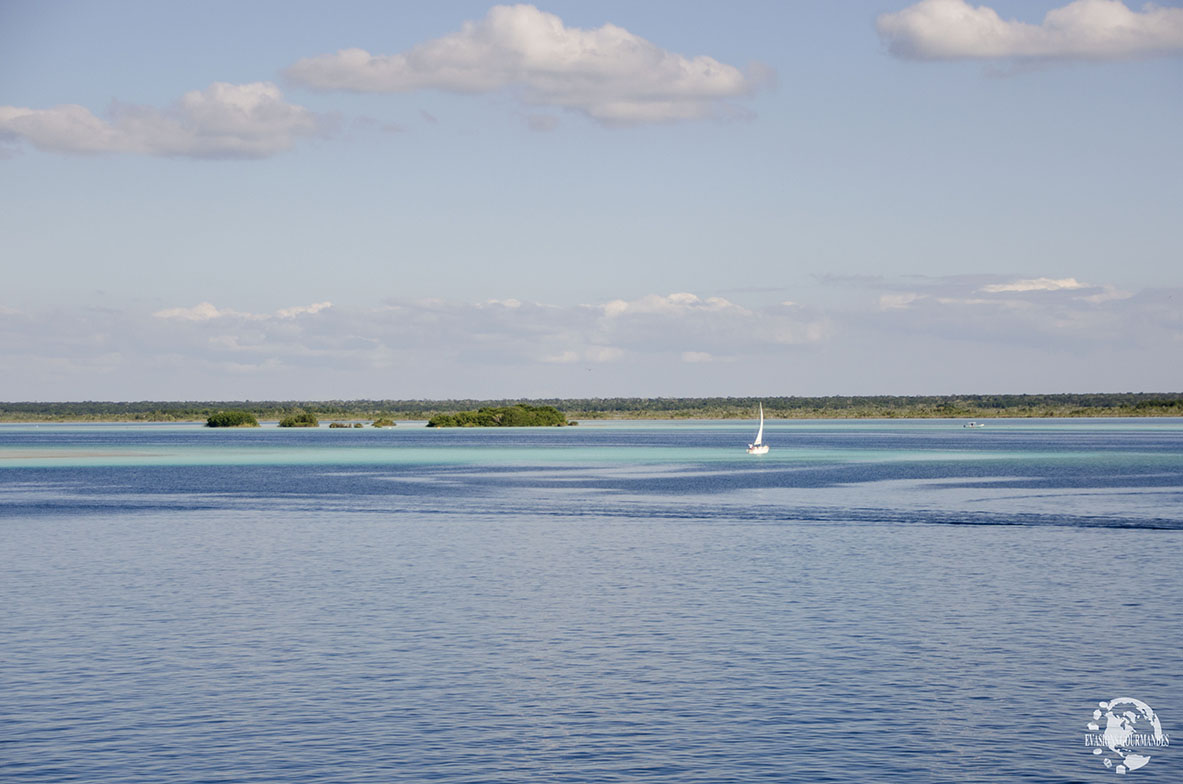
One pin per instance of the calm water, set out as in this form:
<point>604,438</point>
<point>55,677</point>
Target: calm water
<point>872,601</point>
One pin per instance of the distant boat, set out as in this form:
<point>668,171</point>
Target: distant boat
<point>758,447</point>
<point>974,424</point>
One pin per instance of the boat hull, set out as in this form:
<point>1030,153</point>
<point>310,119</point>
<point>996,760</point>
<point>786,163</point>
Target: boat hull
<point>761,449</point>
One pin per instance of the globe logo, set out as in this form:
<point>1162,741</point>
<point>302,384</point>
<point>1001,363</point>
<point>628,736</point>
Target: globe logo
<point>1121,731</point>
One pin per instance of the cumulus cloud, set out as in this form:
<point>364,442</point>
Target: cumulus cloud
<point>222,121</point>
<point>1083,29</point>
<point>607,73</point>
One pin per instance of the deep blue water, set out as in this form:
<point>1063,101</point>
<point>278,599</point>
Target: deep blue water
<point>872,601</point>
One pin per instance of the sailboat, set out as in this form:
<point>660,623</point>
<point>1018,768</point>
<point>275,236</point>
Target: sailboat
<point>758,447</point>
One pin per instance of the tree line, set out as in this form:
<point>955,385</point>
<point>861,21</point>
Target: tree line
<point>831,407</point>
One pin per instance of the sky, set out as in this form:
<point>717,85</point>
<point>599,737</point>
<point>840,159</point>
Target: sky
<point>394,200</point>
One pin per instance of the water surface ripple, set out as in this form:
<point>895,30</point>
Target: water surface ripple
<point>882,601</point>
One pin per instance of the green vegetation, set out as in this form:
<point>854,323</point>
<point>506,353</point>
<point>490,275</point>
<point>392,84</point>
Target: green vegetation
<point>520,415</point>
<point>1172,407</point>
<point>232,419</point>
<point>339,424</point>
<point>303,419</point>
<point>1140,404</point>
<point>384,422</point>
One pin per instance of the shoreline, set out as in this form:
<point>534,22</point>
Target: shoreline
<point>835,407</point>
<point>804,417</point>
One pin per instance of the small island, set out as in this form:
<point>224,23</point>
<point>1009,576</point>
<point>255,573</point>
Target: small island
<point>520,415</point>
<point>384,422</point>
<point>232,419</point>
<point>303,419</point>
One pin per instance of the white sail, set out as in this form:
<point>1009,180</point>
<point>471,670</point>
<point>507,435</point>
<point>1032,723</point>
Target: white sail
<point>758,447</point>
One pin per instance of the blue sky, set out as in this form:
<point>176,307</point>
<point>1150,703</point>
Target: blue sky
<point>212,201</point>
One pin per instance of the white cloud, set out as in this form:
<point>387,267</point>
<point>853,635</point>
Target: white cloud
<point>510,303</point>
<point>681,302</point>
<point>222,121</point>
<point>1037,312</point>
<point>950,334</point>
<point>683,322</point>
<point>301,310</point>
<point>207,311</point>
<point>608,73</point>
<point>898,301</point>
<point>67,128</point>
<point>1035,284</point>
<point>1084,29</point>
<point>680,325</point>
<point>203,311</point>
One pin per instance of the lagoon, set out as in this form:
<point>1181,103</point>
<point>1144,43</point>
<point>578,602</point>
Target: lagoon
<point>642,601</point>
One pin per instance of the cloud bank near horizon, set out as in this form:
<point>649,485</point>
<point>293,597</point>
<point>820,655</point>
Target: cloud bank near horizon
<point>504,330</point>
<point>222,121</point>
<point>608,73</point>
<point>1080,30</point>
<point>904,336</point>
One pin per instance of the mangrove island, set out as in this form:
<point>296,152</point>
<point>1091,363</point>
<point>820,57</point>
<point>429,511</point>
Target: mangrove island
<point>232,419</point>
<point>520,415</point>
<point>300,420</point>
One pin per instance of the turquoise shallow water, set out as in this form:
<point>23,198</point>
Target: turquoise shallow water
<point>641,602</point>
